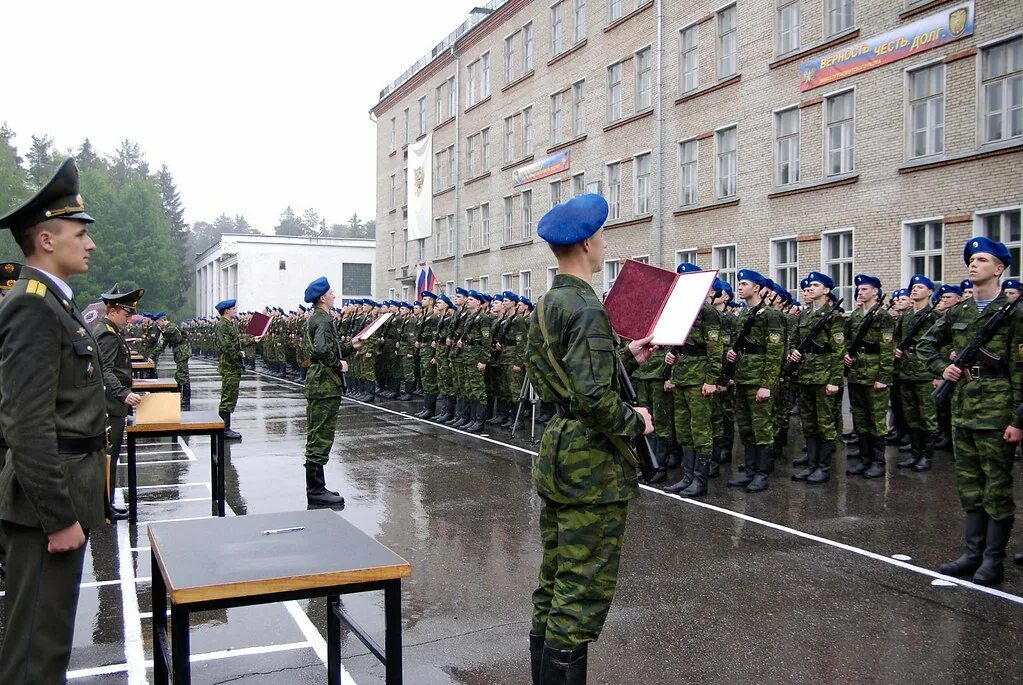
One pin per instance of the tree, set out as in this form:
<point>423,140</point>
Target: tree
<point>289,223</point>
<point>13,189</point>
<point>42,161</point>
<point>243,226</point>
<point>87,157</point>
<point>128,163</point>
<point>174,211</point>
<point>310,222</point>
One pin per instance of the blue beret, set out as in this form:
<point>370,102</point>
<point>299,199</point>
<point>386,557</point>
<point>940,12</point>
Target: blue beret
<point>966,284</point>
<point>461,291</point>
<point>486,298</point>
<point>687,267</point>
<point>947,289</point>
<point>526,301</point>
<point>511,297</point>
<point>159,315</point>
<point>922,280</point>
<point>864,279</point>
<point>901,292</point>
<point>1012,283</point>
<point>418,303</point>
<point>498,297</point>
<point>316,289</point>
<point>427,293</point>
<point>823,279</point>
<point>782,292</point>
<point>475,294</point>
<point>404,305</point>
<point>221,306</point>
<point>804,284</point>
<point>751,276</point>
<point>981,243</point>
<point>573,221</point>
<point>720,286</point>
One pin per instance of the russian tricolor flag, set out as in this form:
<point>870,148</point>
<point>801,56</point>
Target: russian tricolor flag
<point>425,280</point>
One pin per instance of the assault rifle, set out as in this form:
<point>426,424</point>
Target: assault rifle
<point>868,320</point>
<point>810,341</point>
<point>974,350</point>
<point>741,340</point>
<point>910,337</point>
<point>649,461</point>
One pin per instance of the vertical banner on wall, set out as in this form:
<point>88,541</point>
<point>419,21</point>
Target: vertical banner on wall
<point>420,188</point>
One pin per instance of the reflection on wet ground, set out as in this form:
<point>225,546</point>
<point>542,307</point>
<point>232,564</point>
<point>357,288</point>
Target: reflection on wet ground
<point>704,596</point>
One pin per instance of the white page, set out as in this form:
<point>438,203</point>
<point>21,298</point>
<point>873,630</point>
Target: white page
<point>684,303</point>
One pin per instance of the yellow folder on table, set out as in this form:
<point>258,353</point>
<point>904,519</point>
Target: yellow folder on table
<point>159,407</point>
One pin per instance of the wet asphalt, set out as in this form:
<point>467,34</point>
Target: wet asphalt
<point>726,590</point>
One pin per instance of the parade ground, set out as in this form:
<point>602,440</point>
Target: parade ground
<point>831,584</point>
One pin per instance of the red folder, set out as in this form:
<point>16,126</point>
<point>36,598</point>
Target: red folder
<point>258,325</point>
<point>373,327</point>
<point>648,300</point>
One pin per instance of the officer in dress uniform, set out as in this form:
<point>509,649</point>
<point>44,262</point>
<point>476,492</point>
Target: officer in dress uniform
<point>585,471</point>
<point>117,378</point>
<point>9,272</point>
<point>53,420</point>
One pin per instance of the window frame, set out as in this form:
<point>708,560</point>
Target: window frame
<point>718,134</point>
<point>779,140</point>
<point>825,262</point>
<point>733,34</point>
<point>614,204</point>
<point>695,165</point>
<point>909,102</point>
<point>526,283</point>
<point>557,28</point>
<point>827,124</point>
<point>782,7</point>
<point>776,265</point>
<point>927,253</point>
<point>638,77</point>
<point>578,21</point>
<point>579,108</point>
<point>716,252</point>
<point>1016,269</point>
<point>526,210</point>
<point>834,30</point>
<point>637,209</point>
<point>982,115</point>
<point>684,54</point>
<point>612,87</point>
<point>557,123</point>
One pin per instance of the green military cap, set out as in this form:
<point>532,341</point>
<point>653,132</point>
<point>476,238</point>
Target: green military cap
<point>58,199</point>
<point>128,301</point>
<point>9,272</point>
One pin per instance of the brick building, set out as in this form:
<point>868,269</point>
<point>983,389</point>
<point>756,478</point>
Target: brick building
<point>755,133</point>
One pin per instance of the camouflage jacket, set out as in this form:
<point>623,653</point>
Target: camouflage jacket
<point>876,358</point>
<point>822,363</point>
<point>228,345</point>
<point>323,349</point>
<point>578,463</point>
<point>761,365</point>
<point>989,402</point>
<point>476,345</point>
<point>178,341</point>
<point>912,367</point>
<point>699,360</point>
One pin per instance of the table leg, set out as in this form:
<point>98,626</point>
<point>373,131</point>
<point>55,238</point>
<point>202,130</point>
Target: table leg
<point>133,492</point>
<point>159,593</point>
<point>180,651</point>
<point>333,641</point>
<point>221,471</point>
<point>392,637</point>
<point>214,481</point>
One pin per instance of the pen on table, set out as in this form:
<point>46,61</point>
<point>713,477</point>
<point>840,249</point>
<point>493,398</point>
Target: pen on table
<point>274,531</point>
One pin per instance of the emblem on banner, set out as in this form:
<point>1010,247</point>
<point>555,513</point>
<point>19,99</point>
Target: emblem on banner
<point>957,20</point>
<point>420,178</point>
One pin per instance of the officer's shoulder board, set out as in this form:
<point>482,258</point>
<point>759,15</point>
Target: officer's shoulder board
<point>36,288</point>
<point>110,328</point>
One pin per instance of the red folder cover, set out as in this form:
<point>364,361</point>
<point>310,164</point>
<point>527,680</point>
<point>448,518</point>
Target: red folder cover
<point>373,327</point>
<point>648,300</point>
<point>258,325</point>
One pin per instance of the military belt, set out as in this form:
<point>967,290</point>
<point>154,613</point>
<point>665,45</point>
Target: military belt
<point>81,445</point>
<point>978,371</point>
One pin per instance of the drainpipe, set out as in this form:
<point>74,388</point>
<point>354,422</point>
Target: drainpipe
<point>659,123</point>
<point>457,167</point>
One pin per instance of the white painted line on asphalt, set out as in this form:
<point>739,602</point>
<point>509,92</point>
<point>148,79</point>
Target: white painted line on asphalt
<point>134,650</point>
<point>204,484</point>
<point>139,452</point>
<point>209,656</point>
<point>157,461</point>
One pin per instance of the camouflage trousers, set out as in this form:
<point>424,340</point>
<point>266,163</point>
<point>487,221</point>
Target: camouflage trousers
<point>474,386</point>
<point>984,471</point>
<point>723,413</point>
<point>457,375</point>
<point>445,383</point>
<point>582,547</point>
<point>321,425</point>
<point>918,408</point>
<point>869,409</point>
<point>511,384</point>
<point>782,398</point>
<point>369,367</point>
<point>428,374</point>
<point>836,408</point>
<point>661,405</point>
<point>408,367</point>
<point>753,418</point>
<point>694,426</point>
<point>181,372</point>
<point>816,411</point>
<point>229,382</point>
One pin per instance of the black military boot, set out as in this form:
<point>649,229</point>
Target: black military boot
<point>698,488</point>
<point>822,474</point>
<point>463,417</point>
<point>370,396</point>
<point>316,491</point>
<point>660,449</point>
<point>927,447</point>
<point>499,416</point>
<point>763,464</point>
<point>426,412</point>
<point>676,454</point>
<point>914,455</point>
<point>449,411</point>
<point>535,656</point>
<point>974,537</point>
<point>406,392</point>
<point>714,468</point>
<point>942,442</point>
<point>477,412</point>
<point>781,440</point>
<point>688,471</point>
<point>804,457</point>
<point>992,568</point>
<point>509,415</point>
<point>229,434</point>
<point>750,461</point>
<point>186,396</point>
<point>878,467</point>
<point>563,666</point>
<point>864,453</point>
<point>810,463</point>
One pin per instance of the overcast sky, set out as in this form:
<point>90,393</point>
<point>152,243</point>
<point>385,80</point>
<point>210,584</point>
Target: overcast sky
<point>253,105</point>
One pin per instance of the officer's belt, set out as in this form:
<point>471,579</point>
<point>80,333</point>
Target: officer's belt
<point>979,371</point>
<point>81,445</point>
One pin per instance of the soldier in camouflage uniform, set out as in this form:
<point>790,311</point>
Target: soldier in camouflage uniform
<point>782,301</point>
<point>408,335</point>
<point>367,355</point>
<point>324,389</point>
<point>915,379</point>
<point>585,470</point>
<point>695,368</point>
<point>512,355</point>
<point>818,378</point>
<point>757,360</point>
<point>723,401</point>
<point>648,381</point>
<point>171,334</point>
<point>446,316</point>
<point>870,372</point>
<point>986,426</point>
<point>230,365</point>
<point>475,353</point>
<point>461,412</point>
<point>426,345</point>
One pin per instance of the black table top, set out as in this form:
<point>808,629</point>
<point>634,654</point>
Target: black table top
<point>223,558</point>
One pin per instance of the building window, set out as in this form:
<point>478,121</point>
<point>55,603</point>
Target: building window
<point>451,233</point>
<point>509,139</point>
<point>527,131</point>
<point>394,135</point>
<point>557,122</point>
<point>926,123</point>
<point>506,281</point>
<point>788,26</point>
<point>404,246</point>
<point>527,214</point>
<point>552,271</point>
<point>470,81</point>
<point>838,262</point>
<point>485,75</point>
<point>422,116</point>
<point>840,16</point>
<point>579,21</point>
<point>283,266</point>
<point>470,155</point>
<point>555,192</point>
<point>393,189</point>
<point>841,133</point>
<point>578,184</point>
<point>1004,226</point>
<point>643,79</point>
<point>728,53</point>
<point>438,232</point>
<point>421,250</point>
<point>614,190</point>
<point>470,228</point>
<point>683,256</point>
<point>485,224</point>
<point>785,257</point>
<point>612,267</point>
<point>437,167</point>
<point>725,162</point>
<point>356,279</point>
<point>786,131</point>
<point>1002,83</point>
<point>449,287</point>
<point>406,126</point>
<point>404,292</point>
<point>468,284</point>
<point>391,293</point>
<point>485,144</point>
<point>643,186</point>
<point>688,158</point>
<point>614,10</point>
<point>527,48</point>
<point>526,284</point>
<point>440,100</point>
<point>509,58</point>
<point>452,103</point>
<point>578,109</point>
<point>557,28</point>
<point>689,64</point>
<point>614,91</point>
<point>924,249</point>
<point>509,219</point>
<point>450,166</point>
<point>484,283</point>
<point>724,262</point>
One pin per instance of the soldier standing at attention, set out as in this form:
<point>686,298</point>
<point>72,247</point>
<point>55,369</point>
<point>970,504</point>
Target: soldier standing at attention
<point>585,471</point>
<point>985,425</point>
<point>171,334</point>
<point>915,379</point>
<point>53,420</point>
<point>475,346</point>
<point>116,358</point>
<point>324,388</point>
<point>230,365</point>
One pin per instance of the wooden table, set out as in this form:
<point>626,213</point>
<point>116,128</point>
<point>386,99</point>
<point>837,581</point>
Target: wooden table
<point>328,558</point>
<point>192,423</point>
<point>146,369</point>
<point>155,385</point>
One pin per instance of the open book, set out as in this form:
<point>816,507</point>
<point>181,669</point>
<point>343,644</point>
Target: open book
<point>258,325</point>
<point>372,328</point>
<point>647,300</point>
